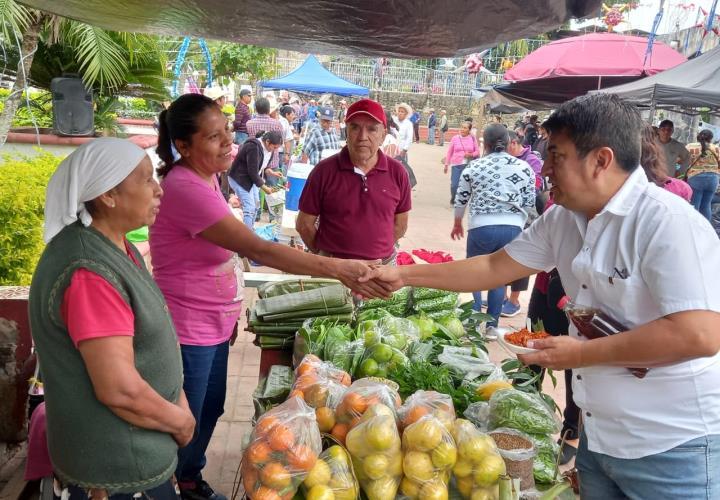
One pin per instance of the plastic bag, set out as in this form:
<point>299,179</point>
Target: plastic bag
<point>284,447</point>
<point>478,413</point>
<point>446,302</point>
<point>395,332</point>
<point>374,445</point>
<point>518,451</point>
<point>378,360</point>
<point>423,403</point>
<point>399,297</point>
<point>363,394</point>
<point>479,464</point>
<point>313,365</point>
<point>429,454</point>
<point>332,476</point>
<point>272,390</point>
<point>522,411</point>
<point>494,382</point>
<point>467,362</point>
<point>544,465</point>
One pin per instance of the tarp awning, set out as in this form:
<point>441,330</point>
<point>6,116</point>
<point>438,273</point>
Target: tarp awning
<point>311,76</point>
<point>689,86</point>
<point>411,28</point>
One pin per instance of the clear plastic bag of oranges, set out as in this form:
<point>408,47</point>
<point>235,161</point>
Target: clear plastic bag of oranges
<point>423,403</point>
<point>317,384</point>
<point>375,447</point>
<point>284,447</point>
<point>312,365</point>
<point>429,454</point>
<point>479,465</point>
<point>332,477</point>
<point>361,395</point>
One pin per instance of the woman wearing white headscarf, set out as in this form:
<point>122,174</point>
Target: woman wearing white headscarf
<point>116,410</point>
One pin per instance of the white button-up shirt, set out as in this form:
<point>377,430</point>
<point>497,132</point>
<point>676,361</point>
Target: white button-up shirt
<point>670,257</point>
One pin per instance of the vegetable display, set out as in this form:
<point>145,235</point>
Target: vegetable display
<point>354,369</point>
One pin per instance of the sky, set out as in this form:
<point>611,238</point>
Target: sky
<point>675,11</point>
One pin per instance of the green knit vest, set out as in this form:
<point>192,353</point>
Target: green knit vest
<point>89,445</point>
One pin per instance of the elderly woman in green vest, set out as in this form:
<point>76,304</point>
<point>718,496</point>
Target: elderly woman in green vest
<point>116,410</point>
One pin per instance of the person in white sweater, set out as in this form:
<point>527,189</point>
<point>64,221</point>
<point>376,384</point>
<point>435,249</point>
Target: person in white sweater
<point>499,189</point>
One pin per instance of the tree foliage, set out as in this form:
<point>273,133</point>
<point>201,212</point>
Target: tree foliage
<point>232,60</point>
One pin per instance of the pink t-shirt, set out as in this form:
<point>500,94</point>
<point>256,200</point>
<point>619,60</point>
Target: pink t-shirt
<point>678,187</point>
<point>92,308</point>
<point>201,281</point>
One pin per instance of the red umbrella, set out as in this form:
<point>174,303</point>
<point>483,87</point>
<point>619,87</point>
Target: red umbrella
<point>598,55</point>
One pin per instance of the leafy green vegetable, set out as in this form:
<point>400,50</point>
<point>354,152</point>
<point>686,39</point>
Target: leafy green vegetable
<point>544,465</point>
<point>421,293</point>
<point>444,302</point>
<point>422,375</point>
<point>522,411</point>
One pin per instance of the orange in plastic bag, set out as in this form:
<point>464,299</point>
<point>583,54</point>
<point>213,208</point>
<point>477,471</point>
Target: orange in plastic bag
<point>284,447</point>
<point>423,403</point>
<point>363,394</point>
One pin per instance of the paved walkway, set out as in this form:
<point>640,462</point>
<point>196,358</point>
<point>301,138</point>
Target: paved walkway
<point>430,224</point>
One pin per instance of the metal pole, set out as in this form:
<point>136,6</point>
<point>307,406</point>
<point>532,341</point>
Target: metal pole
<point>652,106</point>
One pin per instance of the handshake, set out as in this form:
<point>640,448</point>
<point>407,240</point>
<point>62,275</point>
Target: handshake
<point>368,280</point>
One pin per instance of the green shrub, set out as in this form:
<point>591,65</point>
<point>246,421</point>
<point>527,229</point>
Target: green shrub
<point>40,109</point>
<point>23,181</point>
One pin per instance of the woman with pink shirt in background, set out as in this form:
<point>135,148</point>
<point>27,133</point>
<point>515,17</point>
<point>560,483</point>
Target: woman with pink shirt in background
<point>463,148</point>
<point>653,162</point>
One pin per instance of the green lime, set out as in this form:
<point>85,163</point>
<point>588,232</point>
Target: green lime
<point>368,368</point>
<point>381,353</point>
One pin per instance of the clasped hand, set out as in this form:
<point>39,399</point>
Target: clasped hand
<point>368,279</point>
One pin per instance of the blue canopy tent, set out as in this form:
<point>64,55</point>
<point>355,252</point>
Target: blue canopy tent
<point>312,77</point>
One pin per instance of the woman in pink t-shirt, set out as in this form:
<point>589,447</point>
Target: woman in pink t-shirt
<point>654,164</point>
<point>463,148</point>
<point>194,245</point>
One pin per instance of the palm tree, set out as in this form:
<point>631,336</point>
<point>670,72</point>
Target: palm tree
<point>107,61</point>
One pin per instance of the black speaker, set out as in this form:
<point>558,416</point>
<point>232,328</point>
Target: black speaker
<point>72,107</point>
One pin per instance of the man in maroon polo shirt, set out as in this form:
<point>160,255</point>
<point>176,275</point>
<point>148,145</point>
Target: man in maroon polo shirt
<point>355,204</point>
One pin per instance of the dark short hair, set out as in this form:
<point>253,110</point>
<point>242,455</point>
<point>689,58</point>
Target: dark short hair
<point>273,137</point>
<point>512,135</point>
<point>600,120</point>
<point>262,106</point>
<point>286,110</point>
<point>666,123</point>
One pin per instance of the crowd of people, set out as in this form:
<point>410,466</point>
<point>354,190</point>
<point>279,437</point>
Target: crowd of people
<point>135,364</point>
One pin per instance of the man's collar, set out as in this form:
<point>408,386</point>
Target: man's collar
<point>345,163</point>
<point>628,195</point>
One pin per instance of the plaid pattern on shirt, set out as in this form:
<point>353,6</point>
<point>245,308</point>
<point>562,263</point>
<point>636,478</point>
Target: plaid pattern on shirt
<point>318,140</point>
<point>264,123</point>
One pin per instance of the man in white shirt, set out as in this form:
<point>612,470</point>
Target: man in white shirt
<point>405,130</point>
<point>610,235</point>
<point>287,116</point>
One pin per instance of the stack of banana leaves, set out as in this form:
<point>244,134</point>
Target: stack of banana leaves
<point>284,306</point>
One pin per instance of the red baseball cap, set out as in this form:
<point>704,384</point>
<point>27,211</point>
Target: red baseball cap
<point>367,107</point>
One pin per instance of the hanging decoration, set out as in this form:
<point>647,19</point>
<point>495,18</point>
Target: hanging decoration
<point>653,32</point>
<point>709,23</point>
<point>474,62</point>
<point>615,14</point>
<point>180,61</point>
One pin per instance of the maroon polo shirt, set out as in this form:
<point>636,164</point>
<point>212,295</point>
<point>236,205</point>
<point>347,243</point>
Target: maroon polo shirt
<point>357,212</point>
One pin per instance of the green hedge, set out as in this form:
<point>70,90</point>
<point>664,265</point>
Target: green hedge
<point>23,181</point>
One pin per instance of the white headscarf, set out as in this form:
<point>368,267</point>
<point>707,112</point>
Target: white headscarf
<point>91,170</point>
